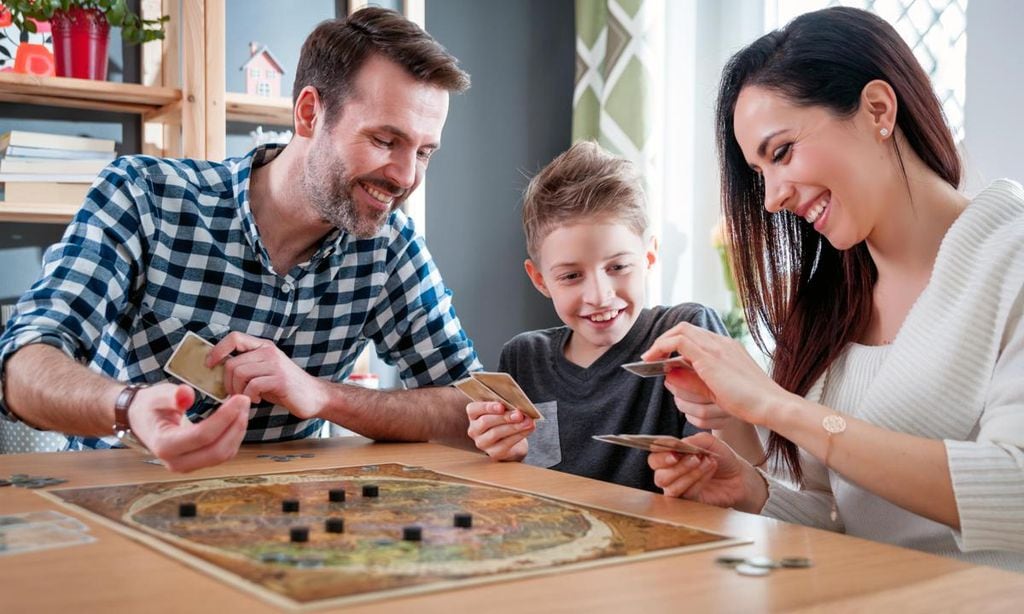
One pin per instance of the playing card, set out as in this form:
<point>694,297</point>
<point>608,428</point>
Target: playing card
<point>188,363</point>
<point>509,391</point>
<point>655,443</point>
<point>497,388</point>
<point>477,391</point>
<point>657,367</point>
<point>29,536</point>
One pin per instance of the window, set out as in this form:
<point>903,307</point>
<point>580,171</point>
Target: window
<point>263,88</point>
<point>935,29</point>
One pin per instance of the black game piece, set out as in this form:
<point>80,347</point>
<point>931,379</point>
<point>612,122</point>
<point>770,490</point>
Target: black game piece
<point>335,525</point>
<point>370,490</point>
<point>299,534</point>
<point>336,495</point>
<point>187,510</point>
<point>290,505</point>
<point>464,520</point>
<point>412,533</point>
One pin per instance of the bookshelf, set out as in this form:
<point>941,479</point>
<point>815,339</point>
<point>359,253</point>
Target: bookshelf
<point>86,94</point>
<point>180,99</point>
<point>182,115</point>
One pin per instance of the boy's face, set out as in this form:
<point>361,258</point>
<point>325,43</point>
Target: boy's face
<point>595,273</point>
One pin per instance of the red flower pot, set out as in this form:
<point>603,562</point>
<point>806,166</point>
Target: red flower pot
<point>80,43</point>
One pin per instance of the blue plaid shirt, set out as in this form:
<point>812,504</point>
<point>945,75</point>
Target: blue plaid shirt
<point>165,246</point>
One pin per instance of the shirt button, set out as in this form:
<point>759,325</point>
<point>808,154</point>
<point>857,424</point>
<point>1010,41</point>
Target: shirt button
<point>286,288</point>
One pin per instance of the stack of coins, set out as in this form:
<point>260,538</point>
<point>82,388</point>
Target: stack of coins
<point>762,565</point>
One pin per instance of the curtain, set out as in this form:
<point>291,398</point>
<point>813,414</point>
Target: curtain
<point>617,95</point>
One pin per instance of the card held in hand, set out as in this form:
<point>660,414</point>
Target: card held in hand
<point>188,363</point>
<point>656,367</point>
<point>497,388</point>
<point>655,443</point>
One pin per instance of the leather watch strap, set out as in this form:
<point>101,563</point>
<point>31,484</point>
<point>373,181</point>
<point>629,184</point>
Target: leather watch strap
<point>124,401</point>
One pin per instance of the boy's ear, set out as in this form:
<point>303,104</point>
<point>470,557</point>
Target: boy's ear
<point>536,277</point>
<point>652,253</point>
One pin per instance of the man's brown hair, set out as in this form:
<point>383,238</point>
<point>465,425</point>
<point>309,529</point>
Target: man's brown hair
<point>335,51</point>
<point>583,184</point>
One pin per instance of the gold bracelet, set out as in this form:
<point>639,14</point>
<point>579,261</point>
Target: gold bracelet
<point>833,424</point>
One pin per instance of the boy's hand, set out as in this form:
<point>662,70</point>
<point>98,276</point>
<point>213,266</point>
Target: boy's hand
<point>499,432</point>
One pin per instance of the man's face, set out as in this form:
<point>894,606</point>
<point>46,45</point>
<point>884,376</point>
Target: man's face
<point>375,152</point>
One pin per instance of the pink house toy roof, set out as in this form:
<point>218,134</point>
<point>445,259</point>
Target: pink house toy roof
<point>262,72</point>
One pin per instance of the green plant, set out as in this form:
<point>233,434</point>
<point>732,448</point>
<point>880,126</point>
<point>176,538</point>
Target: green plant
<point>134,29</point>
<point>735,321</point>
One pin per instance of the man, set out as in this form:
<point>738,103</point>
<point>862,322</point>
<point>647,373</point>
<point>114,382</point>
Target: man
<point>290,260</point>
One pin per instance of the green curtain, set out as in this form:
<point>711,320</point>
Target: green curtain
<point>611,97</point>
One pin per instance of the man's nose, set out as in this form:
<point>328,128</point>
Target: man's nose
<point>402,169</point>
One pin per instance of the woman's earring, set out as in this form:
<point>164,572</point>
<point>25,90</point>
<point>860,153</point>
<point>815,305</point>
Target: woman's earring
<point>884,132</point>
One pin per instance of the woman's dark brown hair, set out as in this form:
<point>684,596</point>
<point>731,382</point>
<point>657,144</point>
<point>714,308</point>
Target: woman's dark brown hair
<point>809,297</point>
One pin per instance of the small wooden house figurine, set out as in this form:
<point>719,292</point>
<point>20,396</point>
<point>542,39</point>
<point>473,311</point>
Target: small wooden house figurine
<point>262,72</point>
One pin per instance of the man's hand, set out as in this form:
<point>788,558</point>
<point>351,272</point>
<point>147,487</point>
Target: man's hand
<point>156,416</point>
<point>498,432</point>
<point>258,369</point>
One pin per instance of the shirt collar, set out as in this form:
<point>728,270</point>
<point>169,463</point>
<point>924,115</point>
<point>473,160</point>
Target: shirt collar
<point>241,174</point>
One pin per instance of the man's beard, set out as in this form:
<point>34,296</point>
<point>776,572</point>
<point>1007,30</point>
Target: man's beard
<point>329,188</point>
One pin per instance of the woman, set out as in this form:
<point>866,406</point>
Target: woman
<point>896,396</point>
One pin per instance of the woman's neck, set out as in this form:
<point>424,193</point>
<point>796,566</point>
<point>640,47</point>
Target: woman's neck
<point>905,244</point>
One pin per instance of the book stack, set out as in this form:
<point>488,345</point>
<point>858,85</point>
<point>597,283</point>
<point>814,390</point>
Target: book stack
<point>36,167</point>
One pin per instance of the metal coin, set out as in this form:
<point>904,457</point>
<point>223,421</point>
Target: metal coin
<point>762,561</point>
<point>745,569</point>
<point>730,561</point>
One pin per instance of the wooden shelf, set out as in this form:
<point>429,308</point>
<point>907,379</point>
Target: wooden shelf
<point>258,109</point>
<point>38,213</point>
<point>86,94</point>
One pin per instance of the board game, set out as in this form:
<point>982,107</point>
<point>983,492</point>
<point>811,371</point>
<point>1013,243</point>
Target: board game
<point>312,539</point>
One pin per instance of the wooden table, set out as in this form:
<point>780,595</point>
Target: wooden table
<point>849,575</point>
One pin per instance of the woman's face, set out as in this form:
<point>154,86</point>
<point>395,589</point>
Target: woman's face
<point>832,172</point>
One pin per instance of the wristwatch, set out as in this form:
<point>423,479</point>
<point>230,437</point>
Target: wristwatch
<point>122,428</point>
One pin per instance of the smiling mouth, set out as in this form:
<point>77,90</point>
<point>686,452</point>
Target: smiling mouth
<point>604,316</point>
<point>384,198</point>
<point>818,208</point>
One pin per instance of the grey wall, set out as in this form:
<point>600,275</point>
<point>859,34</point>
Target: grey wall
<point>516,117</point>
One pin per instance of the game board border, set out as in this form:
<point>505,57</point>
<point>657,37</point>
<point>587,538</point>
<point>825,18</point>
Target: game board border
<point>284,602</point>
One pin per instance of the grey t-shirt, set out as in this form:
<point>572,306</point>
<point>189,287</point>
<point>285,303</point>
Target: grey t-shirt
<point>604,398</point>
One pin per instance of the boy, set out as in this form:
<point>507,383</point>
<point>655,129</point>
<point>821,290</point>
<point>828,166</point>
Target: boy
<point>586,235</point>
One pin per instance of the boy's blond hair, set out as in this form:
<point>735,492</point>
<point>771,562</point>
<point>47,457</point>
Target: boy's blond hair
<point>583,184</point>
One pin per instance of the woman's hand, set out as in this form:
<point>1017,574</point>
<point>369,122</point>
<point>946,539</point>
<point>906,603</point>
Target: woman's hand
<point>725,380</point>
<point>724,480</point>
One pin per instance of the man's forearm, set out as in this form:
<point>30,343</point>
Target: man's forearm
<point>48,390</point>
<point>424,414</point>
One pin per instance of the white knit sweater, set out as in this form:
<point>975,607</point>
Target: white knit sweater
<point>955,372</point>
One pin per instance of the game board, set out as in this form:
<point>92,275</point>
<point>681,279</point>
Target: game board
<point>241,535</point>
